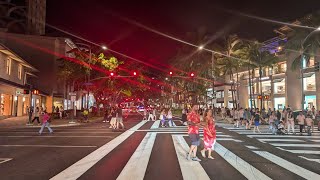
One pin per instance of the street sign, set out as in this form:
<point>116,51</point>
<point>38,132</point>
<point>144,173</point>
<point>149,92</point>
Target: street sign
<point>73,98</point>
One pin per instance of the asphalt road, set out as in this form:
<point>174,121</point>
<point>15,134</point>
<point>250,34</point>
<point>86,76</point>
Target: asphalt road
<point>146,151</point>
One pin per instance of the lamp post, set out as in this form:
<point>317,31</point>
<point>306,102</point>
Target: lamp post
<point>212,74</point>
<point>301,67</point>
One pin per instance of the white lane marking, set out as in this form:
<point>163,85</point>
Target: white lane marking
<point>281,140</point>
<point>3,160</point>
<point>284,136</point>
<point>288,165</point>
<point>252,147</point>
<point>137,165</point>
<point>310,159</point>
<point>70,132</point>
<point>300,151</point>
<point>190,170</point>
<point>155,125</point>
<point>249,133</point>
<point>239,164</point>
<point>37,145</point>
<point>37,136</point>
<point>77,169</point>
<point>294,145</point>
<point>315,140</point>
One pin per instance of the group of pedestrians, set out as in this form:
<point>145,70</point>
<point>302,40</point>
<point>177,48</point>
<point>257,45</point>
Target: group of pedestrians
<point>209,133</point>
<point>114,116</point>
<point>166,118</point>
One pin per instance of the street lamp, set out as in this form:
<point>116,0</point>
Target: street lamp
<point>301,66</point>
<point>104,47</point>
<point>212,74</point>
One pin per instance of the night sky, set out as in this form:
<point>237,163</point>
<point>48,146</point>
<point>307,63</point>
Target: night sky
<point>98,21</point>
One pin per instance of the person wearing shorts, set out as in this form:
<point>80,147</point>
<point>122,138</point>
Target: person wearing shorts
<point>193,131</point>
<point>119,118</point>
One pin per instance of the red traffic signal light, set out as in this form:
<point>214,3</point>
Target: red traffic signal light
<point>266,97</point>
<point>259,97</point>
<point>192,74</point>
<point>135,73</point>
<point>170,73</point>
<point>111,74</point>
<point>25,91</point>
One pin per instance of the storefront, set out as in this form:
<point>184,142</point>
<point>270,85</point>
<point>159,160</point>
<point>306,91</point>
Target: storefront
<point>309,82</point>
<point>279,102</point>
<point>310,101</point>
<point>279,86</point>
<point>12,101</point>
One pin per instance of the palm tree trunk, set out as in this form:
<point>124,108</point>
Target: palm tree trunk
<point>254,102</point>
<point>232,92</point>
<point>238,104</point>
<point>260,82</point>
<point>250,90</point>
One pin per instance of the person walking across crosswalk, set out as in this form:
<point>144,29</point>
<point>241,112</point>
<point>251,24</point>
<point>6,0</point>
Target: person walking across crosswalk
<point>193,131</point>
<point>209,135</point>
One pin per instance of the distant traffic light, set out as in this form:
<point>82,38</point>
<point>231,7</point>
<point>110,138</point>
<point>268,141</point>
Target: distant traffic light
<point>316,66</point>
<point>259,97</point>
<point>25,91</point>
<point>36,92</point>
<point>135,73</point>
<point>111,74</point>
<point>192,74</point>
<point>266,97</point>
<point>170,73</point>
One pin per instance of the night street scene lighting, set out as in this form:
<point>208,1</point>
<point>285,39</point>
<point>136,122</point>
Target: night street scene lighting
<point>129,90</point>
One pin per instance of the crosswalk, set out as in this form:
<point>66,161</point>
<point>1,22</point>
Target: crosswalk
<point>305,147</point>
<point>240,159</point>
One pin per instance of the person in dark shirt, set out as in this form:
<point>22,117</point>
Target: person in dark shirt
<point>119,118</point>
<point>257,119</point>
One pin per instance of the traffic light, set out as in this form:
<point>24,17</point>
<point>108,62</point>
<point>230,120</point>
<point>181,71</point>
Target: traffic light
<point>170,73</point>
<point>259,97</point>
<point>192,75</point>
<point>25,91</point>
<point>36,92</point>
<point>135,73</point>
<point>316,66</point>
<point>111,74</point>
<point>266,97</point>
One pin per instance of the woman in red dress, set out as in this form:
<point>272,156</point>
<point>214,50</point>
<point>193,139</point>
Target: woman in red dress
<point>209,135</point>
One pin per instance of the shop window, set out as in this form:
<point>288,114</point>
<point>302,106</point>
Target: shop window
<point>309,83</point>
<point>266,87</point>
<point>310,102</point>
<point>20,71</point>
<point>279,103</point>
<point>309,63</point>
<point>8,66</point>
<point>279,87</point>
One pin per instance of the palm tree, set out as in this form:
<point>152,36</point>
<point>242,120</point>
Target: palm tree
<point>259,60</point>
<point>230,63</point>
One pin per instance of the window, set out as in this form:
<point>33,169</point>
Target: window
<point>266,87</point>
<point>8,66</point>
<point>309,82</point>
<point>280,86</point>
<point>309,63</point>
<point>20,71</point>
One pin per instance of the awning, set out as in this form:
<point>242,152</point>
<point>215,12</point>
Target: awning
<point>306,75</point>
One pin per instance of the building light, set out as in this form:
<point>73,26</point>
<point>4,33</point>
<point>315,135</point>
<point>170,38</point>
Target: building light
<point>15,98</point>
<point>23,99</point>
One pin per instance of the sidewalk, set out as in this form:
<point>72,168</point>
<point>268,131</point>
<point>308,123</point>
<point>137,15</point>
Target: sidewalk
<point>23,120</point>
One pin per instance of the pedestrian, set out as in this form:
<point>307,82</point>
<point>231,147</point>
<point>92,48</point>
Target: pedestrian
<point>119,118</point>
<point>85,115</point>
<point>113,121</point>
<point>154,114</point>
<point>150,117</point>
<point>223,112</point>
<point>241,115</point>
<point>236,118</point>
<point>209,135</point>
<point>61,112</point>
<point>36,115</point>
<point>309,123</point>
<point>193,131</point>
<point>163,117</point>
<point>46,119</point>
<point>290,121</point>
<point>257,119</point>
<point>272,119</point>
<point>301,119</point>
<point>169,117</point>
<point>144,114</point>
<point>184,117</point>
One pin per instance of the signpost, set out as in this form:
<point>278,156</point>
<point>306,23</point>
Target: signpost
<point>73,98</point>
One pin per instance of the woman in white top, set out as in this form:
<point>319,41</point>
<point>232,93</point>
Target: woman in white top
<point>290,121</point>
<point>169,116</point>
<point>272,120</point>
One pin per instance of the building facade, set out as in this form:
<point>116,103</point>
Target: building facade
<point>14,75</point>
